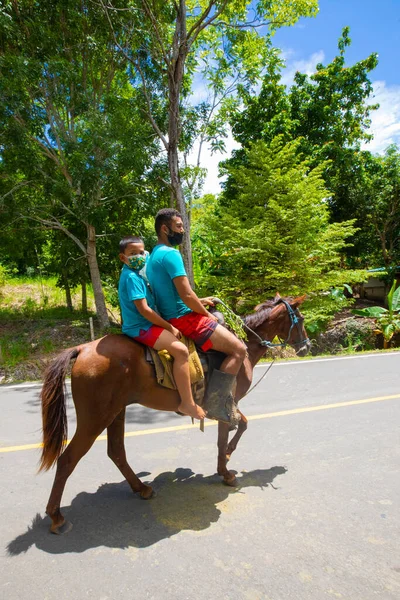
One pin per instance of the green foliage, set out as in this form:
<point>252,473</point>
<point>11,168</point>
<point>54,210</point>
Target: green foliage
<point>76,153</point>
<point>376,203</point>
<point>232,321</point>
<point>327,110</point>
<point>319,309</point>
<point>13,352</point>
<point>111,291</point>
<point>3,278</point>
<point>359,336</point>
<point>387,320</point>
<point>275,234</point>
<point>329,114</point>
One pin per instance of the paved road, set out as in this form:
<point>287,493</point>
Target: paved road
<point>316,516</point>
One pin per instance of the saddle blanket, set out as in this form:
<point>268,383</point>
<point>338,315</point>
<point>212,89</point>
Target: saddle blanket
<point>163,363</point>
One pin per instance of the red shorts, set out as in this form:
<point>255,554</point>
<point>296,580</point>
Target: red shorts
<point>149,336</point>
<point>196,327</point>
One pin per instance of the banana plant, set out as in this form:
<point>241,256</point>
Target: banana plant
<point>387,319</point>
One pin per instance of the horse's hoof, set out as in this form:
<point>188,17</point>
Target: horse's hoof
<point>230,480</point>
<point>62,529</point>
<point>147,493</point>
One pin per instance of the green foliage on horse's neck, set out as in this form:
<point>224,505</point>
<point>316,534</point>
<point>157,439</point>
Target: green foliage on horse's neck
<point>275,234</point>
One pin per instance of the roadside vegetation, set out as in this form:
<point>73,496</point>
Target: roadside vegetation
<point>100,121</point>
<point>36,323</point>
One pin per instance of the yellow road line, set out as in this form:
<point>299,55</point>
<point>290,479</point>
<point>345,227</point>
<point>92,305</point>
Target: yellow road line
<point>281,413</point>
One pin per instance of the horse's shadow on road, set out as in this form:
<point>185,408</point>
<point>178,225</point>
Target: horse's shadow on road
<point>116,518</point>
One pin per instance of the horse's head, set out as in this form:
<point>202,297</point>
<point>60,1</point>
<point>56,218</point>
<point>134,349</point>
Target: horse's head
<point>283,319</point>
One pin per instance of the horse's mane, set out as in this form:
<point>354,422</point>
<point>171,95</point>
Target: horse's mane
<point>262,312</point>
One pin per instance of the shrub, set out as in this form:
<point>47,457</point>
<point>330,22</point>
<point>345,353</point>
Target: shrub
<point>3,278</point>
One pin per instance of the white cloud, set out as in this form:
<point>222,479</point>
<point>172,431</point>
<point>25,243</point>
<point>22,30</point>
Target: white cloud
<point>304,66</point>
<point>211,161</point>
<point>385,122</point>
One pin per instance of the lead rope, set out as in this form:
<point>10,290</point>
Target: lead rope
<point>259,381</point>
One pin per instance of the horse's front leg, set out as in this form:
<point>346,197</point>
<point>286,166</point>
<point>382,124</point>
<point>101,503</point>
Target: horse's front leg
<point>242,426</point>
<point>223,436</point>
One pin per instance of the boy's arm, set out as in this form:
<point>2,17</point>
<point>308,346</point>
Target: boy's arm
<point>149,314</point>
<point>188,296</point>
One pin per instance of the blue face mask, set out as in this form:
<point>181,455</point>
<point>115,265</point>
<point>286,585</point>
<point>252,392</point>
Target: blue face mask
<point>137,262</point>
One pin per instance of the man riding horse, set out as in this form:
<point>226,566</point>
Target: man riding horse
<point>179,305</point>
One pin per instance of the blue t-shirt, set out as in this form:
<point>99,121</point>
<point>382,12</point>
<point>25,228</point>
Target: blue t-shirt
<point>132,287</point>
<point>166,263</point>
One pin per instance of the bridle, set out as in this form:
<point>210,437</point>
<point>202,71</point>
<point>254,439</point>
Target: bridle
<point>294,322</point>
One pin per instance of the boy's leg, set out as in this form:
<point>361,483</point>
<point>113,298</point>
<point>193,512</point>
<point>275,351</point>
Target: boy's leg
<point>208,334</point>
<point>180,354</point>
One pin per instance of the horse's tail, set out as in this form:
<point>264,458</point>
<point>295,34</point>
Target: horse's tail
<point>54,415</point>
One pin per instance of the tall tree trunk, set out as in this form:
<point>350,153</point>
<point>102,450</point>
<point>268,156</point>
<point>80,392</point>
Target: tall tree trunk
<point>99,300</point>
<point>179,200</point>
<point>68,297</point>
<point>175,78</point>
<point>84,296</point>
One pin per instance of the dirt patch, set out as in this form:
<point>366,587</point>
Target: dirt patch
<point>347,333</point>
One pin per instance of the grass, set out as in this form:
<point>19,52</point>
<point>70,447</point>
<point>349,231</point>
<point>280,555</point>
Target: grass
<point>35,325</point>
<point>38,298</point>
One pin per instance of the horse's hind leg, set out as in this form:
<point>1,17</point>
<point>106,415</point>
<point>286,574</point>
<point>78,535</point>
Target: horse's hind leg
<point>116,451</point>
<point>223,436</point>
<point>242,426</point>
<point>78,447</point>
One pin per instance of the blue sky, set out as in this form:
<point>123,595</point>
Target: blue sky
<point>374,27</point>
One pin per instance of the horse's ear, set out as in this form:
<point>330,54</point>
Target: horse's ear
<point>297,301</point>
<point>277,297</point>
<point>256,308</point>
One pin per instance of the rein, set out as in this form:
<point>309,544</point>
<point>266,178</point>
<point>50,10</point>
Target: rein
<point>294,320</point>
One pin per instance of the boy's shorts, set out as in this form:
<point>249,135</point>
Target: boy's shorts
<point>149,336</point>
<point>197,327</point>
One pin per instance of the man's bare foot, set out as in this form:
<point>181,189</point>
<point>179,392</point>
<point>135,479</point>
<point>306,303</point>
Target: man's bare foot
<point>192,410</point>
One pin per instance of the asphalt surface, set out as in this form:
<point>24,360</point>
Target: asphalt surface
<point>316,514</point>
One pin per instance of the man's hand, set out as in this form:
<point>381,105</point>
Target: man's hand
<point>176,332</point>
<point>212,317</point>
<point>209,301</point>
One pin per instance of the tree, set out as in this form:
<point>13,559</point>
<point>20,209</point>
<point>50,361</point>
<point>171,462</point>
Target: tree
<point>75,148</point>
<point>327,112</point>
<point>276,234</point>
<point>387,319</point>
<point>166,42</point>
<point>376,201</point>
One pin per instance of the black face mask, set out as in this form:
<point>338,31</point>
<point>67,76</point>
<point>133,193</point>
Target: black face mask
<point>175,238</point>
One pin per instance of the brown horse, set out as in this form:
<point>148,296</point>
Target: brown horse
<point>111,373</point>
